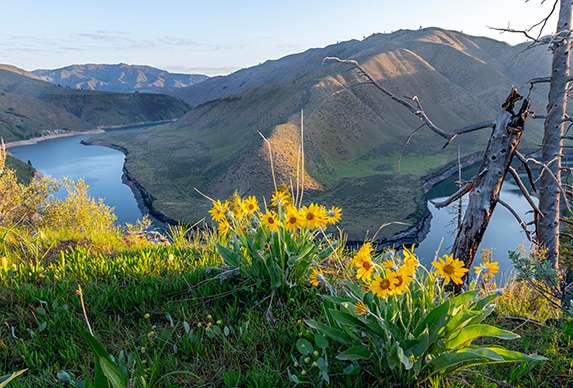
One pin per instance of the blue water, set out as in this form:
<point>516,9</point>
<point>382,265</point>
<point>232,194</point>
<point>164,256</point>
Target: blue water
<point>100,167</point>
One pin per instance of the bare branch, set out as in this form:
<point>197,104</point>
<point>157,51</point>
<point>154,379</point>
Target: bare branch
<point>455,196</point>
<point>517,217</point>
<point>527,170</point>
<point>523,189</point>
<point>414,106</point>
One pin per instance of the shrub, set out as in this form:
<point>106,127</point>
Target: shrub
<point>399,323</point>
<point>277,246</point>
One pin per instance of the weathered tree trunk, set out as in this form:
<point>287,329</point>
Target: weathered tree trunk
<point>486,186</point>
<point>549,191</point>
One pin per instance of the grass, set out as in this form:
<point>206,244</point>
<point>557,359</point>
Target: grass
<point>164,312</point>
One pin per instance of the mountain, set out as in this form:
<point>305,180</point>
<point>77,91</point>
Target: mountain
<point>118,78</point>
<point>354,136</point>
<point>30,106</point>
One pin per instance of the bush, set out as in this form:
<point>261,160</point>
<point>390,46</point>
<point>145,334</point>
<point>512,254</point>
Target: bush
<point>400,324</point>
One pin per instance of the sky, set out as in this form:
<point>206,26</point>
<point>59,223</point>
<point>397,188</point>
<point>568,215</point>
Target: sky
<point>220,36</point>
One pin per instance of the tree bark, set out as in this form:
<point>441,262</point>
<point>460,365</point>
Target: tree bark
<point>549,190</point>
<point>495,164</point>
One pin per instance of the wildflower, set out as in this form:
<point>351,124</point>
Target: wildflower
<point>389,265</point>
<point>293,219</point>
<point>311,216</point>
<point>333,215</point>
<point>488,269</point>
<point>223,227</point>
<point>411,261</point>
<point>365,268</point>
<point>237,206</point>
<point>250,204</point>
<point>450,269</point>
<point>219,210</point>
<point>360,308</point>
<point>146,316</point>
<point>382,287</point>
<point>364,252</point>
<point>401,280</point>
<point>281,198</point>
<point>315,278</point>
<point>270,220</point>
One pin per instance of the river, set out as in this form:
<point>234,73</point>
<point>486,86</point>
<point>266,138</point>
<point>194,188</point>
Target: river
<point>102,168</point>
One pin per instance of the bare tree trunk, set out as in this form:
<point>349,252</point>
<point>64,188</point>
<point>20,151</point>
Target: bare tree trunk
<point>487,184</point>
<point>549,189</point>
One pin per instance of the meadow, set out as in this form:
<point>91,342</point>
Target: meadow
<point>266,294</point>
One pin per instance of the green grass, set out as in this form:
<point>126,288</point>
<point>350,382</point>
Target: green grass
<point>23,171</point>
<point>164,313</point>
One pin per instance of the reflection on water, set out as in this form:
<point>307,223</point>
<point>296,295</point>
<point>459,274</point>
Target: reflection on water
<point>503,234</point>
<point>100,167</point>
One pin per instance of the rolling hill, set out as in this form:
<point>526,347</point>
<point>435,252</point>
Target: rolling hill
<point>30,106</point>
<point>118,78</point>
<point>356,156</point>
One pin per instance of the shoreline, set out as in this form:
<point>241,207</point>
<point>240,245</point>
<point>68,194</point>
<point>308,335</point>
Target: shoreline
<point>413,234</point>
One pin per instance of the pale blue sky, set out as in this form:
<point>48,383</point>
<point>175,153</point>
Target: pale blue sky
<point>220,36</point>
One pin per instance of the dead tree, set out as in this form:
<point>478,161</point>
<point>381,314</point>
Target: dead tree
<point>484,189</point>
<point>554,129</point>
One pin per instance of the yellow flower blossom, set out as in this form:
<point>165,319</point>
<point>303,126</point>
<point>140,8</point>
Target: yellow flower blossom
<point>450,269</point>
<point>488,269</point>
<point>281,198</point>
<point>270,220</point>
<point>382,286</point>
<point>250,204</point>
<point>360,308</point>
<point>311,216</point>
<point>333,215</point>
<point>223,227</point>
<point>364,252</point>
<point>293,219</point>
<point>314,278</point>
<point>364,268</point>
<point>401,280</point>
<point>219,210</point>
<point>237,206</point>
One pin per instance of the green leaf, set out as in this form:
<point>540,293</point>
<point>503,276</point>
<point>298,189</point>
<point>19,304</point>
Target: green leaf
<point>229,257</point>
<point>321,341</point>
<point>331,332</point>
<point>405,360</point>
<point>471,332</point>
<point>508,355</point>
<point>419,345</point>
<point>304,346</point>
<point>275,274</point>
<point>448,361</point>
<point>355,352</point>
<point>113,374</point>
<point>435,320</point>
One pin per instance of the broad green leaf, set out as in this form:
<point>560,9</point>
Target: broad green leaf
<point>434,320</point>
<point>448,361</point>
<point>355,352</point>
<point>331,332</point>
<point>304,346</point>
<point>419,345</point>
<point>113,374</point>
<point>321,341</point>
<point>275,274</point>
<point>508,355</point>
<point>471,332</point>
<point>405,360</point>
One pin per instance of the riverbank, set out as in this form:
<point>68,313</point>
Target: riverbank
<point>38,139</point>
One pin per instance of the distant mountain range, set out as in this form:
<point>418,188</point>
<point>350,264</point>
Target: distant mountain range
<point>355,136</point>
<point>30,106</point>
<point>118,78</point>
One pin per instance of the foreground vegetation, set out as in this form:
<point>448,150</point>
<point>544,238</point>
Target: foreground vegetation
<point>271,297</point>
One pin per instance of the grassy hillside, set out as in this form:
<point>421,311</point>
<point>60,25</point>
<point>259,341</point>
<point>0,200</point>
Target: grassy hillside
<point>354,135</point>
<point>29,106</point>
<point>23,170</point>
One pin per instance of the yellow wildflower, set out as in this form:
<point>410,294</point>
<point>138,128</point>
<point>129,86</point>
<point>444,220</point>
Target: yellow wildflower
<point>223,227</point>
<point>250,204</point>
<point>364,252</point>
<point>450,269</point>
<point>237,206</point>
<point>333,215</point>
<point>488,269</point>
<point>365,267</point>
<point>270,220</point>
<point>360,308</point>
<point>219,210</point>
<point>281,198</point>
<point>293,219</point>
<point>311,216</point>
<point>314,278</point>
<point>389,265</point>
<point>401,280</point>
<point>382,287</point>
